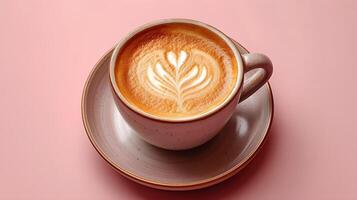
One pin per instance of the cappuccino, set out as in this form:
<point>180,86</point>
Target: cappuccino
<point>176,71</point>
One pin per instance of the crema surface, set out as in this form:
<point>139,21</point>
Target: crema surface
<point>176,71</point>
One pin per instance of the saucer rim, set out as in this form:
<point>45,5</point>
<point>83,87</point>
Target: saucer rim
<point>157,184</point>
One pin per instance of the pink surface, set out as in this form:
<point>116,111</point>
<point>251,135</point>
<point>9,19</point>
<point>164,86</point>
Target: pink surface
<point>48,49</point>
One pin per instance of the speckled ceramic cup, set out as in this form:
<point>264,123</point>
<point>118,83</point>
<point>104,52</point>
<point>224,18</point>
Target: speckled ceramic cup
<point>187,133</point>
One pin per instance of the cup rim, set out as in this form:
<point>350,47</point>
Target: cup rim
<point>225,38</point>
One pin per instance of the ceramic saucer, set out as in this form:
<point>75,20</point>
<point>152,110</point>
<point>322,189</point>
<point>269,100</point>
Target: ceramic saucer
<point>222,157</point>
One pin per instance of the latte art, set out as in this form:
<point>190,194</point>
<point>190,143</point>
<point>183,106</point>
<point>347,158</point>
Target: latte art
<point>178,77</point>
<point>175,71</point>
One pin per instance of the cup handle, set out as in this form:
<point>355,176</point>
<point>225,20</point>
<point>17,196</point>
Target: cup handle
<point>260,77</point>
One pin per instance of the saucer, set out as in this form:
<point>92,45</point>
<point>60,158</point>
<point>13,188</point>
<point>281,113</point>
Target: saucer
<point>222,157</point>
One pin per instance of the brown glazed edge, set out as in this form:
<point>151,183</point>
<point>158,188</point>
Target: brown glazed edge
<point>173,187</point>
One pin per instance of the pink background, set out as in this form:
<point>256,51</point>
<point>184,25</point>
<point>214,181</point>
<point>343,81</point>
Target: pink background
<point>47,50</point>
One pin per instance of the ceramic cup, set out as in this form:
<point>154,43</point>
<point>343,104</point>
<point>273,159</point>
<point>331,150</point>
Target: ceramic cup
<point>187,133</point>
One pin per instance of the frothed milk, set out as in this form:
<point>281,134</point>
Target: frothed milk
<point>176,71</point>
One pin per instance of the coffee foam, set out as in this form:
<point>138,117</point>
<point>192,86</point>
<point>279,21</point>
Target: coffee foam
<point>176,71</point>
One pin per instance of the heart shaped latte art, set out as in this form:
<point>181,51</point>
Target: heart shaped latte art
<point>178,76</point>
